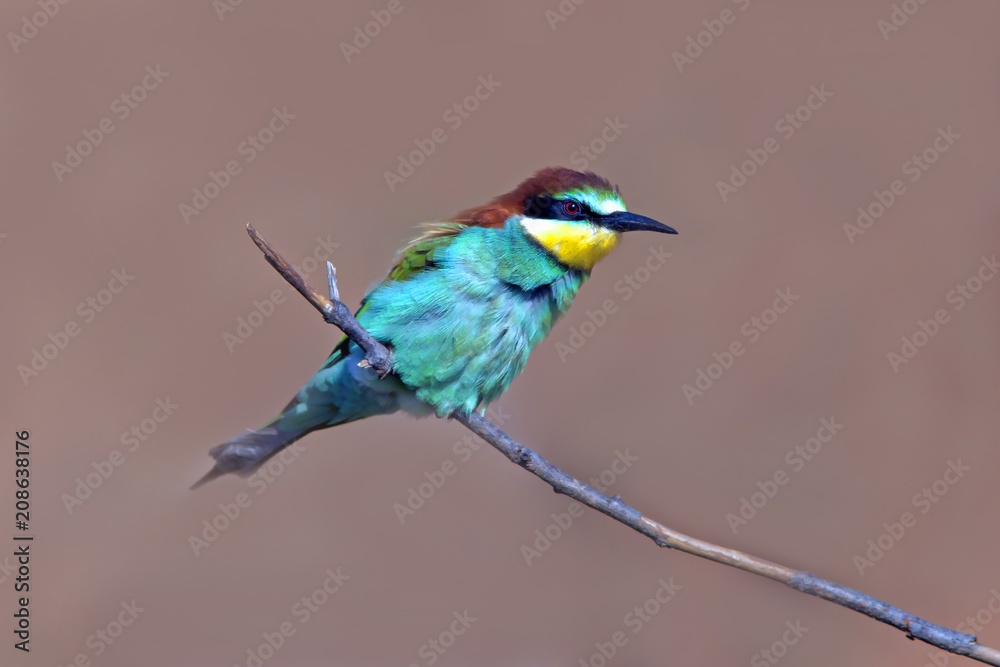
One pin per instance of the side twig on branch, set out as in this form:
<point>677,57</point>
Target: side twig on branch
<point>379,358</point>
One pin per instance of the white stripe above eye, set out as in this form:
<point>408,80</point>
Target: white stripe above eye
<point>602,205</point>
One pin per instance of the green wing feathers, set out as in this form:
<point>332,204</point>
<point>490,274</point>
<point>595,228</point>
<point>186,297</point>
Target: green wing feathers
<point>421,252</point>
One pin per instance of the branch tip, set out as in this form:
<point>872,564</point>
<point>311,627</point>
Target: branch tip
<point>331,275</point>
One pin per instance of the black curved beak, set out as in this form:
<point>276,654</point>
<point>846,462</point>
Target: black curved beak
<point>621,221</point>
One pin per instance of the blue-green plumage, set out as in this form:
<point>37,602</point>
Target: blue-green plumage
<point>461,311</point>
<point>462,331</point>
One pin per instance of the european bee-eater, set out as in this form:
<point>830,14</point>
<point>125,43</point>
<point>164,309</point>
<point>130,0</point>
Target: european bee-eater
<point>461,309</point>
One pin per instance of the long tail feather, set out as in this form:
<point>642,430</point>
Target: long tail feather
<point>248,451</point>
<point>316,406</point>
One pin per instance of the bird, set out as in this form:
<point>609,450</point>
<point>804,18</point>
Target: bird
<point>461,308</point>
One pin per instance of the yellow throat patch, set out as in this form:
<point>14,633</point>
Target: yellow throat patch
<point>577,244</point>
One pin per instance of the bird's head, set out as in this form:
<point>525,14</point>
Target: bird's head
<point>577,217</point>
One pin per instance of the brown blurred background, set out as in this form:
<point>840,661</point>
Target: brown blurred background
<point>319,186</point>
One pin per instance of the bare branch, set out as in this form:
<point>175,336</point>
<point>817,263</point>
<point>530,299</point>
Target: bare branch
<point>379,357</point>
<point>334,311</point>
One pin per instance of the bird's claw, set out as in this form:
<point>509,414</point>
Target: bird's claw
<point>382,372</point>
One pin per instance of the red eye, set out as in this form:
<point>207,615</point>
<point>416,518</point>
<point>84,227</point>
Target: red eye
<point>572,208</point>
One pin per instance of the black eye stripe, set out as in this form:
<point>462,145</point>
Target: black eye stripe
<point>549,208</point>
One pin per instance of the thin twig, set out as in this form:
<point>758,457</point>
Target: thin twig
<point>379,358</point>
<point>334,311</point>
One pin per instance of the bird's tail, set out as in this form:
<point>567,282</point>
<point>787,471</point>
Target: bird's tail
<point>248,451</point>
<point>319,404</point>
